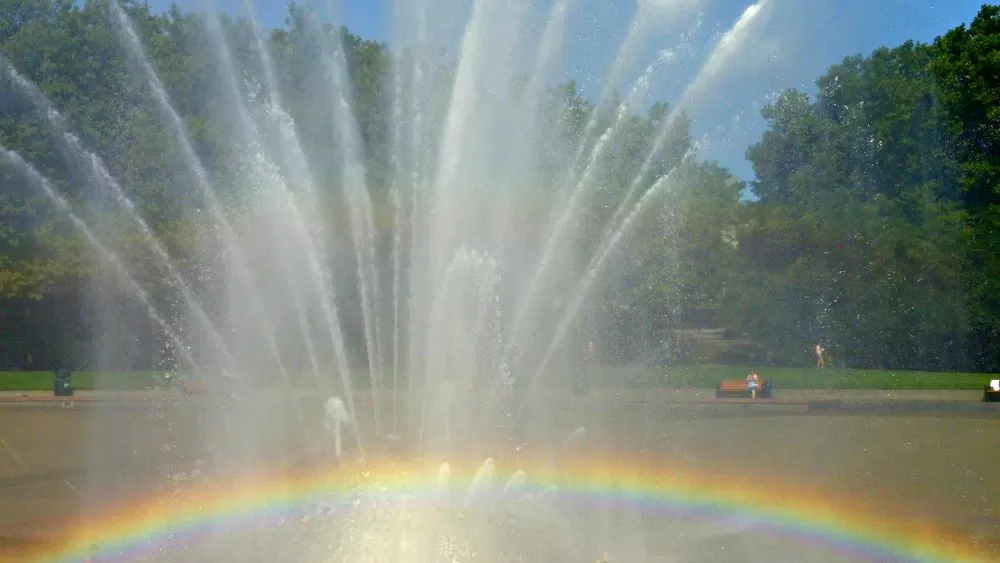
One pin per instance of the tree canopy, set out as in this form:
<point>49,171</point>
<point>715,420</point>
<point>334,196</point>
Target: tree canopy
<point>875,227</point>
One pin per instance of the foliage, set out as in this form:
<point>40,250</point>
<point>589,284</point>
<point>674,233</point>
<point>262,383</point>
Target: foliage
<point>864,237</point>
<point>875,231</point>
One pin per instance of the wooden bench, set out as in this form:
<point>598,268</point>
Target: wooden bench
<point>738,388</point>
<point>991,394</point>
<point>192,387</point>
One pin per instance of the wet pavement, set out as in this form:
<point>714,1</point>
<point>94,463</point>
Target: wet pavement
<point>915,455</point>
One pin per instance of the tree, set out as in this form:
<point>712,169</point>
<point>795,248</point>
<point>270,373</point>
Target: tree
<point>967,67</point>
<point>856,219</point>
<point>875,231</point>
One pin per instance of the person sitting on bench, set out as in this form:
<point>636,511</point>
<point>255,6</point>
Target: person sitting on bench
<point>753,383</point>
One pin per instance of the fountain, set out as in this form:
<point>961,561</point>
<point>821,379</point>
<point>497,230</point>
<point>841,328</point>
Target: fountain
<point>451,310</point>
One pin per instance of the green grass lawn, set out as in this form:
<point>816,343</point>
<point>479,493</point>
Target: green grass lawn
<point>701,376</point>
<point>708,376</point>
<point>43,380</point>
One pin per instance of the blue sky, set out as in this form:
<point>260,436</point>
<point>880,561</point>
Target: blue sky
<point>792,43</point>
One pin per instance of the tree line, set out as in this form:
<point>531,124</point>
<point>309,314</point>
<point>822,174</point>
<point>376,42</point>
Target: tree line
<point>874,229</point>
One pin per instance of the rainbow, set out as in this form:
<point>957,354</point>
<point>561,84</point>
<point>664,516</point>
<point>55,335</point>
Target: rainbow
<point>846,526</point>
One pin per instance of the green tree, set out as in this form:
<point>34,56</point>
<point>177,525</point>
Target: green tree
<point>967,67</point>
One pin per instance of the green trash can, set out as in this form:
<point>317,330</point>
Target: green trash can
<point>62,384</point>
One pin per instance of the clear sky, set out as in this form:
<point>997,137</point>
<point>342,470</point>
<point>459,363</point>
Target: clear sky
<point>790,44</point>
